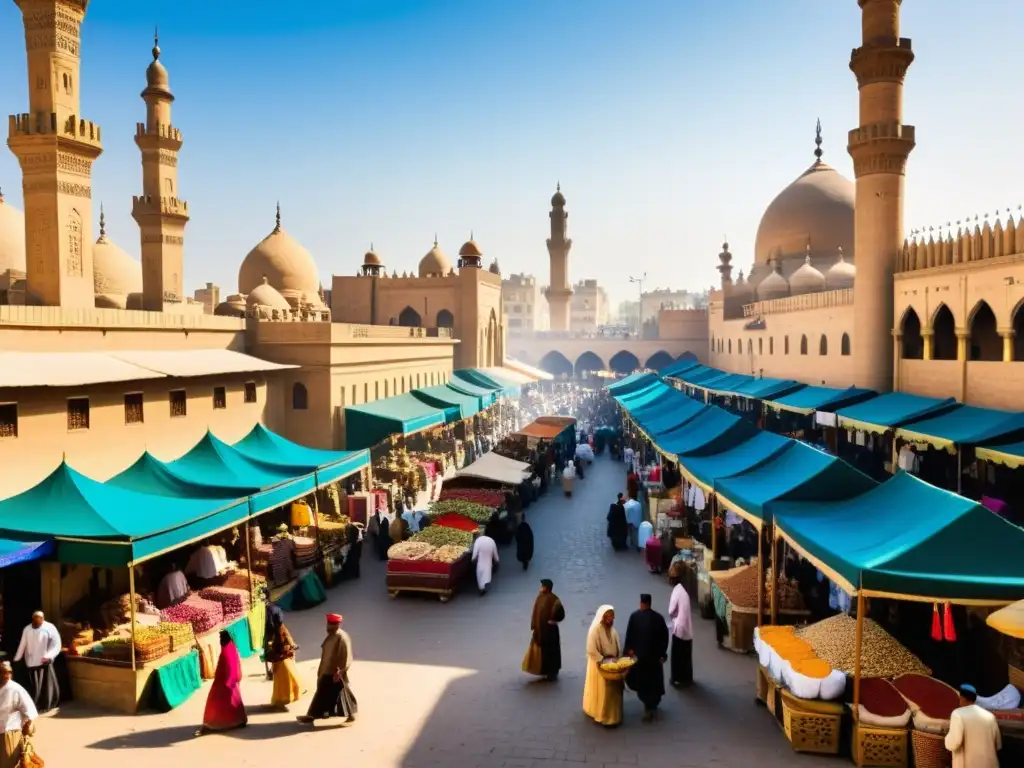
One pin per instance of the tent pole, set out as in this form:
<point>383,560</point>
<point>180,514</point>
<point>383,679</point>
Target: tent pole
<point>857,655</point>
<point>775,575</point>
<point>760,576</point>
<point>248,562</point>
<point>959,469</point>
<point>895,467</point>
<point>714,528</point>
<point>131,597</point>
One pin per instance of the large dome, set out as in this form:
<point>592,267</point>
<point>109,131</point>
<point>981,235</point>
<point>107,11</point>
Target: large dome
<point>818,206</point>
<point>12,238</point>
<point>287,266</point>
<point>435,263</point>
<point>114,272</point>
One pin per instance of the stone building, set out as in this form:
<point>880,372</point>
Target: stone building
<point>524,305</point>
<point>590,308</point>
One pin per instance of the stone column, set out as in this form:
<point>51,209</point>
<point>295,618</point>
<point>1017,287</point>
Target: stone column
<point>929,344</point>
<point>962,337</point>
<point>1008,335</point>
<point>897,355</point>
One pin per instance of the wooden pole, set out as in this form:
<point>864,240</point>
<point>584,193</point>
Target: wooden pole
<point>894,467</point>
<point>131,597</point>
<point>248,563</point>
<point>714,528</point>
<point>959,468</point>
<point>760,576</point>
<point>858,642</point>
<point>775,575</point>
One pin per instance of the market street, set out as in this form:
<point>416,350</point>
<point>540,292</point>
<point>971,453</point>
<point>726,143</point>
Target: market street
<point>440,684</point>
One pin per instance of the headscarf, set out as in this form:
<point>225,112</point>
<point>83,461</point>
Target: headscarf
<point>596,623</point>
<point>600,615</point>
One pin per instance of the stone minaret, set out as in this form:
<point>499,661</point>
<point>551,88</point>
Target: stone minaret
<point>559,293</point>
<point>159,212</point>
<point>56,149</point>
<point>879,148</point>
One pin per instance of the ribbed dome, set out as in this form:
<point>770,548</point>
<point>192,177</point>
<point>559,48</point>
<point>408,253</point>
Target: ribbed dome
<point>287,266</point>
<point>114,272</point>
<point>806,279</point>
<point>267,296</point>
<point>12,238</point>
<point>435,263</point>
<point>773,287</point>
<point>156,73</point>
<point>841,275</point>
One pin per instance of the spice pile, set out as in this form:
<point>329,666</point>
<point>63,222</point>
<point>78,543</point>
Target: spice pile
<point>203,615</point>
<point>438,536</point>
<point>409,550</point>
<point>448,553</point>
<point>835,640</point>
<point>471,509</point>
<point>493,499</point>
<point>740,588</point>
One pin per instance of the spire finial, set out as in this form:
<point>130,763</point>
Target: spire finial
<point>471,234</point>
<point>1,195</point>
<point>277,226</point>
<point>558,186</point>
<point>807,251</point>
<point>156,43</point>
<point>817,142</point>
<point>371,246</point>
<point>840,251</point>
<point>435,239</point>
<point>103,222</point>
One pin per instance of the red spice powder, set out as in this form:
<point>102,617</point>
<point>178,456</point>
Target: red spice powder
<point>935,699</point>
<point>880,698</point>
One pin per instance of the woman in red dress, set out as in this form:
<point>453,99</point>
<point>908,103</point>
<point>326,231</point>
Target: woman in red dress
<point>224,708</point>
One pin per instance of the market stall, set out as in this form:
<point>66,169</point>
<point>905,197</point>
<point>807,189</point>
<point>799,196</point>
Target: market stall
<point>434,561</point>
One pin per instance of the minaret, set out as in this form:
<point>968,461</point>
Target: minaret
<point>725,268</point>
<point>558,292</point>
<point>879,148</point>
<point>160,214</point>
<point>56,149</point>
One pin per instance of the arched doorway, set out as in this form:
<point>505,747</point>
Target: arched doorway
<point>445,319</point>
<point>690,356</point>
<point>492,341</point>
<point>624,362</point>
<point>556,364</point>
<point>986,343</point>
<point>588,362</point>
<point>659,360</point>
<point>1018,331</point>
<point>913,342</point>
<point>943,334</point>
<point>409,318</point>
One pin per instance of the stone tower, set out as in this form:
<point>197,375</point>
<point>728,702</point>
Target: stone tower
<point>160,214</point>
<point>56,149</point>
<point>558,292</point>
<point>879,148</point>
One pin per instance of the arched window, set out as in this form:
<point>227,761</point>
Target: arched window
<point>771,345</point>
<point>785,345</point>
<point>803,345</point>
<point>943,335</point>
<point>409,318</point>
<point>844,345</point>
<point>750,346</point>
<point>1018,330</point>
<point>387,393</point>
<point>730,346</point>
<point>760,346</point>
<point>300,397</point>
<point>912,342</point>
<point>739,346</point>
<point>823,345</point>
<point>986,343</point>
<point>445,319</point>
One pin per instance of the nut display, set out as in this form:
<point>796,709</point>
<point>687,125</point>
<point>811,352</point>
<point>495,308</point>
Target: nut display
<point>447,553</point>
<point>438,536</point>
<point>410,550</point>
<point>835,639</point>
<point>740,588</point>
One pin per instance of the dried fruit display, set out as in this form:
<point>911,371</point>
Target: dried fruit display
<point>740,588</point>
<point>472,510</point>
<point>234,602</point>
<point>447,553</point>
<point>409,550</point>
<point>438,536</point>
<point>203,615</point>
<point>835,638</point>
<point>493,499</point>
<point>788,593</point>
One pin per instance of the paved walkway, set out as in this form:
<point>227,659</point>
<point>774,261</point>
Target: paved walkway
<point>440,685</point>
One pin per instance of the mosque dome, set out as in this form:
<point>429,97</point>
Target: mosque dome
<point>371,259</point>
<point>266,295</point>
<point>115,274</point>
<point>233,306</point>
<point>742,288</point>
<point>285,264</point>
<point>841,275</point>
<point>12,237</point>
<point>818,206</point>
<point>806,279</point>
<point>470,249</point>
<point>774,286</point>
<point>558,199</point>
<point>435,263</point>
<point>156,73</point>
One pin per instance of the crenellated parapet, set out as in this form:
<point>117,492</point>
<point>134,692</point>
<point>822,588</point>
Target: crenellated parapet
<point>978,243</point>
<point>70,128</point>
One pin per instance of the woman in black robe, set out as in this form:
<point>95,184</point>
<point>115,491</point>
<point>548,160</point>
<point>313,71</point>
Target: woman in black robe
<point>383,539</point>
<point>524,543</point>
<point>618,529</point>
<point>350,568</point>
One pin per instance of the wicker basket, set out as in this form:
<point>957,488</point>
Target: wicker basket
<point>617,675</point>
<point>874,746</point>
<point>930,750</point>
<point>816,732</point>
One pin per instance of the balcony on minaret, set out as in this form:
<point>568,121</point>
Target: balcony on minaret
<point>166,136</point>
<point>43,124</point>
<point>147,205</point>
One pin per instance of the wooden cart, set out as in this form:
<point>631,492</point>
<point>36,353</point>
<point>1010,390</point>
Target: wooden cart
<point>441,579</point>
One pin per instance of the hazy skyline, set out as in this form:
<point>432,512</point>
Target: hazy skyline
<point>386,121</point>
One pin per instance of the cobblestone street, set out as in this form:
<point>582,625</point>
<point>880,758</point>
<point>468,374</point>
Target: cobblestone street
<point>440,685</point>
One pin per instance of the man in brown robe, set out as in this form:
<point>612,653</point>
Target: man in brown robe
<point>333,697</point>
<point>544,656</point>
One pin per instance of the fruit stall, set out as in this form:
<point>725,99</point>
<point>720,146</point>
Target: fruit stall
<point>734,593</point>
<point>434,561</point>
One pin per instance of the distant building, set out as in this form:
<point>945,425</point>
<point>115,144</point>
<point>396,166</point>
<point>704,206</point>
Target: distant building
<point>526,310</point>
<point>209,297</point>
<point>589,307</point>
<point>654,301</point>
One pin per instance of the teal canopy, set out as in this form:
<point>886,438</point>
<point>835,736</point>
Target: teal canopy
<point>631,382</point>
<point>656,402</point>
<point>908,538</point>
<point>728,383</point>
<point>486,396</point>
<point>712,431</point>
<point>966,425</point>
<point>270,448</point>
<point>798,472</point>
<point>488,379</point>
<point>445,397</point>
<point>101,524</point>
<point>678,367</point>
<point>13,552</point>
<point>369,423</point>
<point>748,455</point>
<point>151,476</point>
<point>698,377</point>
<point>892,410</point>
<point>641,397</point>
<point>810,399</point>
<point>672,417</point>
<point>767,389</point>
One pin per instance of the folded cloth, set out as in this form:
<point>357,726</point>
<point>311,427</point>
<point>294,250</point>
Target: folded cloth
<point>1008,698</point>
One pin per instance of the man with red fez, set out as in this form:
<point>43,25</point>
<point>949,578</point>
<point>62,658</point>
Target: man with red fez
<point>333,697</point>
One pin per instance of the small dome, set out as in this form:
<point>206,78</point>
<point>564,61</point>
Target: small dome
<point>371,259</point>
<point>841,275</point>
<point>114,272</point>
<point>558,199</point>
<point>156,73</point>
<point>773,287</point>
<point>233,306</point>
<point>12,237</point>
<point>285,264</point>
<point>435,263</point>
<point>470,249</point>
<point>806,279</point>
<point>741,287</point>
<point>266,295</point>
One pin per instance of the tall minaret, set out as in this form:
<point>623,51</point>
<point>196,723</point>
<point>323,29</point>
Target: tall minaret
<point>879,148</point>
<point>559,293</point>
<point>160,214</point>
<point>56,149</point>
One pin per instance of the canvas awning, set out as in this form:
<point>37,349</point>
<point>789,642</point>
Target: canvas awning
<point>67,369</point>
<point>1008,620</point>
<point>639,398</point>
<point>797,472</point>
<point>767,389</point>
<point>186,363</point>
<point>655,402</point>
<point>444,397</point>
<point>966,425</point>
<point>678,368</point>
<point>672,417</point>
<point>542,431</point>
<point>752,453</point>
<point>13,552</point>
<point>330,466</point>
<point>892,410</point>
<point>101,524</point>
<point>484,395</point>
<point>811,399</point>
<point>712,431</point>
<point>1010,454</point>
<point>497,468</point>
<point>726,384</point>
<point>907,539</point>
<point>481,379</point>
<point>697,376</point>
<point>509,377</point>
<point>630,383</point>
<point>369,423</point>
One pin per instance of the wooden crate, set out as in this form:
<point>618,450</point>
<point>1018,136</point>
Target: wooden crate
<point>873,746</point>
<point>811,731</point>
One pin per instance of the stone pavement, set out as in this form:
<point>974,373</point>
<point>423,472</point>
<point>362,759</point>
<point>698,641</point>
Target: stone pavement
<point>440,684</point>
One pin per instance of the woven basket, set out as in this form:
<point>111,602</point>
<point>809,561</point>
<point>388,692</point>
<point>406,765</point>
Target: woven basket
<point>815,732</point>
<point>873,746</point>
<point>930,750</point>
<point>616,675</point>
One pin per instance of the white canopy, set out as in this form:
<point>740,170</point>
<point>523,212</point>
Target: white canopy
<point>497,468</point>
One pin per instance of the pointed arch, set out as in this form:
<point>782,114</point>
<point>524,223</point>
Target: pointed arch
<point>785,342</point>
<point>771,345</point>
<point>823,345</point>
<point>687,355</point>
<point>943,334</point>
<point>659,360</point>
<point>589,362</point>
<point>750,346</point>
<point>730,346</point>
<point>1017,323</point>
<point>844,345</point>
<point>760,346</point>
<point>409,318</point>
<point>300,397</point>
<point>624,361</point>
<point>803,345</point>
<point>986,343</point>
<point>555,363</point>
<point>445,319</point>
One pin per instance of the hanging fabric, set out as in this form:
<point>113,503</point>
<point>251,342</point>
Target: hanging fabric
<point>936,624</point>
<point>948,629</point>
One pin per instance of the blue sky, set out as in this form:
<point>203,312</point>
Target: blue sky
<point>388,120</point>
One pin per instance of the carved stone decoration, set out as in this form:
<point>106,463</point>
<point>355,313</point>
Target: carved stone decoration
<point>74,235</point>
<point>38,237</point>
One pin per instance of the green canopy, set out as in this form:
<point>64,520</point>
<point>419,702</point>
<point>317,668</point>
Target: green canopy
<point>482,379</point>
<point>369,423</point>
<point>810,399</point>
<point>486,396</point>
<point>966,425</point>
<point>892,410</point>
<point>100,524</point>
<point>631,383</point>
<point>798,472</point>
<point>270,448</point>
<point>713,430</point>
<point>678,367</point>
<point>151,476</point>
<point>749,454</point>
<point>767,389</point>
<point>909,539</point>
<point>445,397</point>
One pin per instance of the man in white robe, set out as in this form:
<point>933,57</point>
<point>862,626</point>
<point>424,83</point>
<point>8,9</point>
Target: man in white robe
<point>973,737</point>
<point>39,646</point>
<point>485,555</point>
